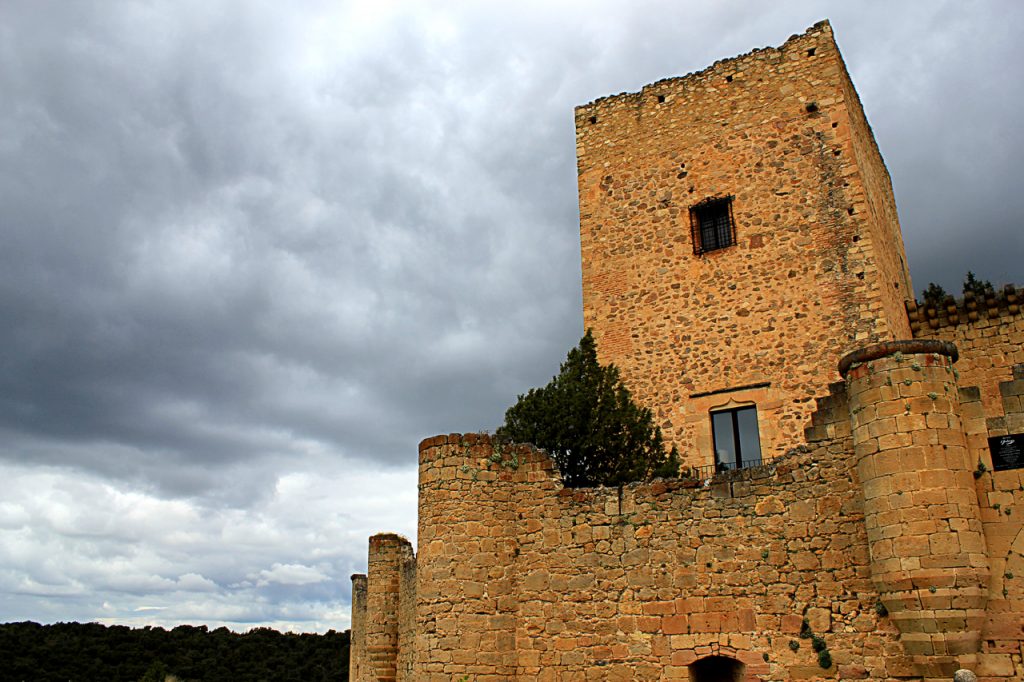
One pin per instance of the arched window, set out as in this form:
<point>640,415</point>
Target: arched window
<point>716,669</point>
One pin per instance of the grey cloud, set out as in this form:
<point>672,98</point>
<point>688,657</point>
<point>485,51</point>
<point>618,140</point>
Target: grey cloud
<point>246,248</point>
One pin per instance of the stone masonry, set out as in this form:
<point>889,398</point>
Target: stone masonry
<point>875,542</point>
<point>818,266</point>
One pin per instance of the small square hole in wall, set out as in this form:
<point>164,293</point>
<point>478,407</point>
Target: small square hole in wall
<point>661,99</point>
<point>728,79</point>
<point>593,119</point>
<point>810,52</point>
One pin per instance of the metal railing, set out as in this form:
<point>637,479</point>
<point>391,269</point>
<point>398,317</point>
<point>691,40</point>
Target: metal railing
<point>712,470</point>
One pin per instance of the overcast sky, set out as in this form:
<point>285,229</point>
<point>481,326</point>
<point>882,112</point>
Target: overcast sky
<point>251,253</point>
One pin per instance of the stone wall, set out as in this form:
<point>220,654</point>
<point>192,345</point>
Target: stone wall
<point>1002,500</point>
<point>818,265</point>
<point>883,537</point>
<point>639,582</point>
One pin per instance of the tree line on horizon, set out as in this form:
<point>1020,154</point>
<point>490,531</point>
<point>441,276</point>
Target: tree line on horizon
<point>86,652</point>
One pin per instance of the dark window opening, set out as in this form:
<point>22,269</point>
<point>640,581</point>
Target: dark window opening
<point>593,119</point>
<point>661,99</point>
<point>728,79</point>
<point>737,442</point>
<point>712,225</point>
<point>810,52</point>
<point>716,669</point>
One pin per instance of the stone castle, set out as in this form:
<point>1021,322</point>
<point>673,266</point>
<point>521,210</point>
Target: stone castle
<point>852,496</point>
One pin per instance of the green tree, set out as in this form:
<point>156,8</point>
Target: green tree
<point>587,421</point>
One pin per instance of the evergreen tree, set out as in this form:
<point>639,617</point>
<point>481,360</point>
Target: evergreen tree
<point>587,421</point>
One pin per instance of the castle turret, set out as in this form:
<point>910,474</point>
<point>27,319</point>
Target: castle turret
<point>357,641</point>
<point>924,525</point>
<point>388,554</point>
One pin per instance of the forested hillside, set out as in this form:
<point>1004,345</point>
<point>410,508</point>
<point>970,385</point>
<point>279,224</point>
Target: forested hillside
<point>87,652</point>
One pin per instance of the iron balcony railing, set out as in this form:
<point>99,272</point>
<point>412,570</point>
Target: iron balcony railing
<point>712,470</point>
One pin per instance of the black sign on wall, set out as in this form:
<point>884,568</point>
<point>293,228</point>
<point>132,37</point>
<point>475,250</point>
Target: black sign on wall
<point>1007,451</point>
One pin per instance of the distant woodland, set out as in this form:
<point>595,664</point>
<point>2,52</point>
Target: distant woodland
<point>86,652</point>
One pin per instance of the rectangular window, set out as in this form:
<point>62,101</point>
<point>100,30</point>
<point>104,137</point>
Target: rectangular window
<point>736,439</point>
<point>712,225</point>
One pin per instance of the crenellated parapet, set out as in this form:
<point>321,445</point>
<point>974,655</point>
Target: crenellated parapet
<point>988,332</point>
<point>925,317</point>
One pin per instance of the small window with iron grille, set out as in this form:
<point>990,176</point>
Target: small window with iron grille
<point>712,225</point>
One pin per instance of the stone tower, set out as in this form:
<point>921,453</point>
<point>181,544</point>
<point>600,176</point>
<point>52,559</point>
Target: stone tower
<point>739,235</point>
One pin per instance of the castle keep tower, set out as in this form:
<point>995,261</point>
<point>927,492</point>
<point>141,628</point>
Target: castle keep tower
<point>738,234</point>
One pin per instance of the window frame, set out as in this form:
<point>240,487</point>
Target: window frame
<point>739,462</point>
<point>712,209</point>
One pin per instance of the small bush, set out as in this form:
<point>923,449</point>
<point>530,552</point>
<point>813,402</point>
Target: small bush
<point>805,630</point>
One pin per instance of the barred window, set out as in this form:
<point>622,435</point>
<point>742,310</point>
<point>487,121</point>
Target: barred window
<point>712,225</point>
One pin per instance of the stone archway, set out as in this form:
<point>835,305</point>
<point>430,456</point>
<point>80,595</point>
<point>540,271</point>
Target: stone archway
<point>716,669</point>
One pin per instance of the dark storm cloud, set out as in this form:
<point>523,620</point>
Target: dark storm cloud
<point>196,249</point>
<point>251,254</point>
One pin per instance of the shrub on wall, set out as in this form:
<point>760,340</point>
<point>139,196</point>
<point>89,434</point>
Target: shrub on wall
<point>934,295</point>
<point>980,288</point>
<point>587,421</point>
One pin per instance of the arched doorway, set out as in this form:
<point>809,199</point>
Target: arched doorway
<point>716,669</point>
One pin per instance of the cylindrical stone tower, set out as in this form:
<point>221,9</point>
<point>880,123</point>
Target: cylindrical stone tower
<point>388,553</point>
<point>928,556</point>
<point>466,558</point>
<point>357,643</point>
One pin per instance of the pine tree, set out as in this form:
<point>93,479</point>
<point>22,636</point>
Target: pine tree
<point>587,421</point>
